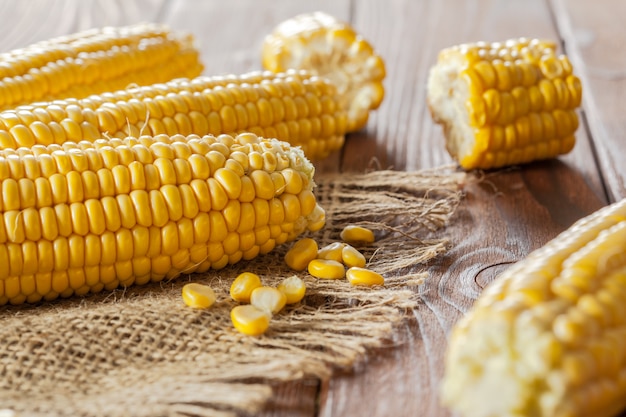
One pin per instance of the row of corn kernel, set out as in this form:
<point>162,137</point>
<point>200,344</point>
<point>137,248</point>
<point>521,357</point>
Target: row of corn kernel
<point>330,262</point>
<point>258,302</point>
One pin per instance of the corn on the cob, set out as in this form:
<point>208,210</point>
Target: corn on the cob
<point>95,61</point>
<point>547,338</point>
<point>295,106</point>
<point>82,217</point>
<point>504,103</point>
<point>321,43</point>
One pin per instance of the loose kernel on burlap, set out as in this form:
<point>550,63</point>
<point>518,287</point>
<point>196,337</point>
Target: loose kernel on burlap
<point>142,352</point>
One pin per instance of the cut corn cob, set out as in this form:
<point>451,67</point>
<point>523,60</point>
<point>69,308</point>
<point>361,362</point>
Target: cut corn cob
<point>321,43</point>
<point>82,217</point>
<point>95,61</point>
<point>546,339</point>
<point>504,103</point>
<point>295,106</point>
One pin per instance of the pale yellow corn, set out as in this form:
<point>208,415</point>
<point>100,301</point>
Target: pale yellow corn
<point>301,253</point>
<point>327,269</point>
<point>198,295</point>
<point>250,320</point>
<point>352,257</point>
<point>357,235</point>
<point>332,251</point>
<point>363,276</point>
<point>269,299</point>
<point>243,285</point>
<point>295,106</point>
<point>504,103</point>
<point>546,338</point>
<point>83,217</point>
<point>294,289</point>
<point>95,61</point>
<point>321,43</point>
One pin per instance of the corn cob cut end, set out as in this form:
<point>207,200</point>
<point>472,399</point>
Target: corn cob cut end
<point>504,103</point>
<point>320,43</point>
<point>546,339</point>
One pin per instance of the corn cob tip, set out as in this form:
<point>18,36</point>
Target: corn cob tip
<point>323,44</point>
<point>546,339</point>
<point>504,103</point>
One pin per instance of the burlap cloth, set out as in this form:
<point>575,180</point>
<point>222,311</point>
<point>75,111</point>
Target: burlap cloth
<point>142,352</point>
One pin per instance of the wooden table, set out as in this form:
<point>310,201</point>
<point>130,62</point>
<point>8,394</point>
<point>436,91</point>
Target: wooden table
<point>501,219</point>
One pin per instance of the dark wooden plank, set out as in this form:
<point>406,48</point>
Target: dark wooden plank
<point>594,37</point>
<point>26,22</point>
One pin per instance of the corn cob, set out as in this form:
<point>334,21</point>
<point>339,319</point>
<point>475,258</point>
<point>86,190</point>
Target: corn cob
<point>504,103</point>
<point>95,61</point>
<point>546,339</point>
<point>294,106</point>
<point>82,217</point>
<point>322,44</point>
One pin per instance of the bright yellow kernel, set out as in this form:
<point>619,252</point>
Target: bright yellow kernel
<point>352,257</point>
<point>269,299</point>
<point>331,252</point>
<point>353,234</point>
<point>301,253</point>
<point>362,276</point>
<point>198,295</point>
<point>250,320</point>
<point>293,288</point>
<point>324,268</point>
<point>243,285</point>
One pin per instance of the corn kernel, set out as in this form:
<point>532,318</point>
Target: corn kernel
<point>198,295</point>
<point>269,299</point>
<point>332,252</point>
<point>301,253</point>
<point>352,257</point>
<point>357,235</point>
<point>243,285</point>
<point>250,320</point>
<point>293,288</point>
<point>362,276</point>
<point>324,268</point>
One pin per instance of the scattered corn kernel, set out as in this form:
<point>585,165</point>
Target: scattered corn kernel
<point>301,253</point>
<point>198,295</point>
<point>362,276</point>
<point>331,252</point>
<point>357,235</point>
<point>243,285</point>
<point>249,319</point>
<point>293,288</point>
<point>352,257</point>
<point>269,299</point>
<point>325,268</point>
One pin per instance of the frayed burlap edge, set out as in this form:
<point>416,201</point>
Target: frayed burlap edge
<point>141,352</point>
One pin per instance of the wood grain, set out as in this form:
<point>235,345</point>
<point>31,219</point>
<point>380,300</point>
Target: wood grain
<point>594,38</point>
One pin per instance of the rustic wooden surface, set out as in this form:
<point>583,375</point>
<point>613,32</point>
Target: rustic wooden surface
<point>500,221</point>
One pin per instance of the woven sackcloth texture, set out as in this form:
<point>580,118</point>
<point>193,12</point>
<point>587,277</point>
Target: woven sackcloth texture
<point>142,352</point>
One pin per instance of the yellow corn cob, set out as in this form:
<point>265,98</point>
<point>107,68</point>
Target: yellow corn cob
<point>295,106</point>
<point>322,44</point>
<point>504,103</point>
<point>547,338</point>
<point>95,61</point>
<point>82,217</point>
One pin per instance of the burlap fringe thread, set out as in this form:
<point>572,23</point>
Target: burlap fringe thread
<point>141,352</point>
